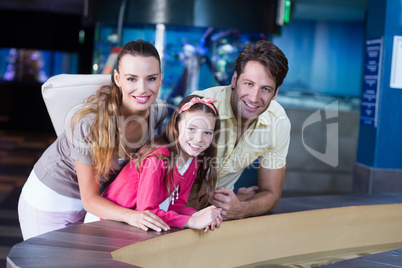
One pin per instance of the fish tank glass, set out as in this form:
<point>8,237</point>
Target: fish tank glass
<point>193,58</point>
<point>31,65</point>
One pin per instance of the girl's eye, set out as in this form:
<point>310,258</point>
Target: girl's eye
<point>152,79</point>
<point>191,129</point>
<point>209,133</point>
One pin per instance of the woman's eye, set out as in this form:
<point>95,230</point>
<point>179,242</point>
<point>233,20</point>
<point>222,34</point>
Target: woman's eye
<point>131,79</point>
<point>191,129</point>
<point>208,133</point>
<point>152,79</point>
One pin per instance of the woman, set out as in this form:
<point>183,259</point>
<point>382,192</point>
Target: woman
<point>114,123</point>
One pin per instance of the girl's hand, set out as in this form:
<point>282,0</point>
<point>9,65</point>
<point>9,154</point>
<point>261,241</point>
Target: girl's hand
<point>205,218</point>
<point>214,225</point>
<point>146,219</point>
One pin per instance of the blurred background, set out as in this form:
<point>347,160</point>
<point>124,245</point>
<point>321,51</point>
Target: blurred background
<point>198,42</point>
<point>325,42</point>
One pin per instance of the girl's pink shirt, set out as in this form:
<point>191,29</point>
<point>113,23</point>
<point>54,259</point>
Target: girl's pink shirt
<point>146,188</point>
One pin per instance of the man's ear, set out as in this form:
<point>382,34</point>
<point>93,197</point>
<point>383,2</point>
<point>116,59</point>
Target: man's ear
<point>276,93</point>
<point>234,80</point>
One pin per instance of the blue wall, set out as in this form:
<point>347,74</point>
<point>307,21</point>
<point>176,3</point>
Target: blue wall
<point>381,146</point>
<point>324,57</point>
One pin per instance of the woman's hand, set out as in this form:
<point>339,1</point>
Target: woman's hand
<point>146,219</point>
<point>208,219</point>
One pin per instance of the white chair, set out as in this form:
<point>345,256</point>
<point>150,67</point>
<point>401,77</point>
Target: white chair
<point>64,93</point>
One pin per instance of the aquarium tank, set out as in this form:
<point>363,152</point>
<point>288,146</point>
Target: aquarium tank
<point>193,58</point>
<point>32,65</point>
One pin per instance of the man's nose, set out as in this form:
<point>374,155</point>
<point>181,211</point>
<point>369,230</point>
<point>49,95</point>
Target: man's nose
<point>254,95</point>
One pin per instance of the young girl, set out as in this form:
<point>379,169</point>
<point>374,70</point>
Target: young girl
<point>66,180</point>
<point>160,177</point>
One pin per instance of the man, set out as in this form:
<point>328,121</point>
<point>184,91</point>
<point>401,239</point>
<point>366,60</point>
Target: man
<point>253,125</point>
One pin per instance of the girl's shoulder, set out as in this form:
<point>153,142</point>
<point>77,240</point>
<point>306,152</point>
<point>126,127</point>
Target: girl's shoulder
<point>157,157</point>
<point>161,151</point>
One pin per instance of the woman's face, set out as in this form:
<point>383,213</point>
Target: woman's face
<point>139,79</point>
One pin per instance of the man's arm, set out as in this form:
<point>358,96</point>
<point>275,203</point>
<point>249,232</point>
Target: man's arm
<point>270,182</point>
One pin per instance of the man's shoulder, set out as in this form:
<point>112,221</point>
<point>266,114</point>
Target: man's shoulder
<point>275,114</point>
<point>276,109</point>
<point>212,92</point>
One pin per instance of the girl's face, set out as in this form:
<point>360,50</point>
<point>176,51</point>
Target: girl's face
<point>196,130</point>
<point>139,79</point>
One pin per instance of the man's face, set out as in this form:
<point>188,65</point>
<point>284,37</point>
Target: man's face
<point>253,91</point>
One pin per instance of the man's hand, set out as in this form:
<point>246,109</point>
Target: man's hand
<point>244,194</point>
<point>252,201</point>
<point>232,207</point>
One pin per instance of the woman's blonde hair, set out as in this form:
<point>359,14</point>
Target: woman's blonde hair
<point>105,134</point>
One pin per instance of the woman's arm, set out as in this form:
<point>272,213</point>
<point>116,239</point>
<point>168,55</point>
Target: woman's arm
<point>94,203</point>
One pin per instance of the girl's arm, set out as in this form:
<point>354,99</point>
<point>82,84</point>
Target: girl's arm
<point>94,203</point>
<point>152,190</point>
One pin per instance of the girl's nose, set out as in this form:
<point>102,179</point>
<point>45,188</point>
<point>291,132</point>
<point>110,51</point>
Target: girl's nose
<point>198,136</point>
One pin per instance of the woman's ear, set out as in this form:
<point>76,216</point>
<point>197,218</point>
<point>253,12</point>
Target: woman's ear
<point>161,78</point>
<point>116,77</point>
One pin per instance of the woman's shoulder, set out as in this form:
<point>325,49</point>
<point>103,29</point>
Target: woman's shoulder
<point>80,126</point>
<point>158,111</point>
<point>86,119</point>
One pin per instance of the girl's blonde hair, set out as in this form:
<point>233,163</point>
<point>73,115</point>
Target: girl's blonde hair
<point>105,134</point>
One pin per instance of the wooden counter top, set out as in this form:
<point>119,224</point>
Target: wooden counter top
<point>91,245</point>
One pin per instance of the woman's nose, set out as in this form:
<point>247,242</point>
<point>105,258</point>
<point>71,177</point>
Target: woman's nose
<point>141,86</point>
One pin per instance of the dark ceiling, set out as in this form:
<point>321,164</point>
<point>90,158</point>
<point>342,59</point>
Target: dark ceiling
<point>57,6</point>
<point>329,10</point>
